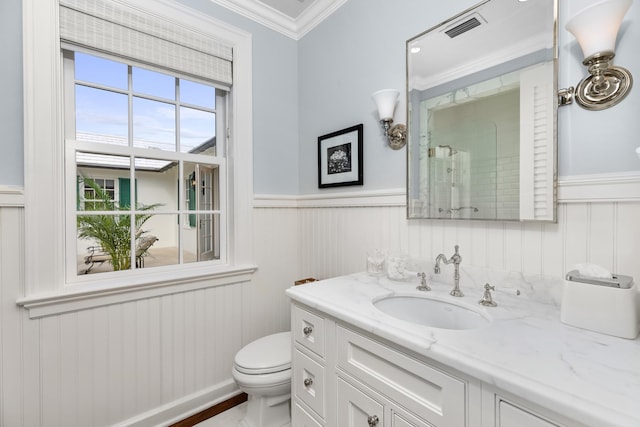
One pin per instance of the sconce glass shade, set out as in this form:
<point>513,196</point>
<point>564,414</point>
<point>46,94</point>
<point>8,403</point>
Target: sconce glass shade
<point>386,100</point>
<point>596,27</point>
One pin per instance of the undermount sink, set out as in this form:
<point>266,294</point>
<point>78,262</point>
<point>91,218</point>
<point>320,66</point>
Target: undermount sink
<point>431,312</point>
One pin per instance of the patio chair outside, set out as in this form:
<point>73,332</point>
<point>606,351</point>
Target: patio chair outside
<point>97,255</point>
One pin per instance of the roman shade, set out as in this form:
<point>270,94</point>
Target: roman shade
<point>139,36</point>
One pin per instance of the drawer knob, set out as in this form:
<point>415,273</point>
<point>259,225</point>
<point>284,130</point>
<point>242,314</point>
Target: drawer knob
<point>373,420</point>
<point>308,382</point>
<point>307,331</point>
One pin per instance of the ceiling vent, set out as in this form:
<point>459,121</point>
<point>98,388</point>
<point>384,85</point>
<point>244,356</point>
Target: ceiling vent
<point>463,28</point>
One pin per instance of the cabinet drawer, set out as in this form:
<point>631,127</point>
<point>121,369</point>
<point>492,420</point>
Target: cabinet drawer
<point>425,391</point>
<point>308,330</point>
<point>355,408</point>
<point>309,382</point>
<point>301,418</point>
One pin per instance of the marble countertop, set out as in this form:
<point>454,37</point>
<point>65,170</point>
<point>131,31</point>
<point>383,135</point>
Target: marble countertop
<point>526,350</point>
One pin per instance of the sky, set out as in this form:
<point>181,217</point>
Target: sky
<point>105,112</point>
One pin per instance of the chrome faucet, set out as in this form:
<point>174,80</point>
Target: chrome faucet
<point>455,259</point>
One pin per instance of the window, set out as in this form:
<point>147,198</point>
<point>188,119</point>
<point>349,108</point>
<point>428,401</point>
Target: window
<point>151,134</point>
<point>142,32</point>
<point>91,196</point>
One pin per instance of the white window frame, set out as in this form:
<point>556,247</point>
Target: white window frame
<point>47,289</point>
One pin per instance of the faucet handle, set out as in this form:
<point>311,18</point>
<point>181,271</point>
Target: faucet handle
<point>423,282</point>
<point>487,299</point>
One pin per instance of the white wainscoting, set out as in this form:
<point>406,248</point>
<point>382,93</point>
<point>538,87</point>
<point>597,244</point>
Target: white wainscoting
<point>141,363</point>
<point>333,241</point>
<point>163,358</point>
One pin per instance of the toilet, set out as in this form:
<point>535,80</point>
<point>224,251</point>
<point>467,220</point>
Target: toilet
<point>262,369</point>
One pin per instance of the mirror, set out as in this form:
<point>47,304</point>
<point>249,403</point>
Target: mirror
<point>482,109</point>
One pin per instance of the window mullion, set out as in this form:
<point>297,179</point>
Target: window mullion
<point>132,175</point>
<point>181,192</point>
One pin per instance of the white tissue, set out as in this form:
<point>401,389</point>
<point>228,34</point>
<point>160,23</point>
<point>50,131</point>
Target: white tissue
<point>593,270</point>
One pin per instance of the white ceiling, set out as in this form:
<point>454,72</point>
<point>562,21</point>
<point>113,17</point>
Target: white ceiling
<point>293,18</point>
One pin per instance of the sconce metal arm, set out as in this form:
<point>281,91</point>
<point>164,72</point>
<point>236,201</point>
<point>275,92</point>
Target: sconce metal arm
<point>396,134</point>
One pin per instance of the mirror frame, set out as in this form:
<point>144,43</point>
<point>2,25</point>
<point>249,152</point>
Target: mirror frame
<point>553,143</point>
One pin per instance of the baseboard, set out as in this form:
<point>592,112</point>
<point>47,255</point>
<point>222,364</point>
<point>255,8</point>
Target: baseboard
<point>185,407</point>
<point>212,411</point>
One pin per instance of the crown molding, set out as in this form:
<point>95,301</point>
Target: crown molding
<point>278,21</point>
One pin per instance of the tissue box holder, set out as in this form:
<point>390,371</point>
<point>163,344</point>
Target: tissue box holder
<point>608,306</point>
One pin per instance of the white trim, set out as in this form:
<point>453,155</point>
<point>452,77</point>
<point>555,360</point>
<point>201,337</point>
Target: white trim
<point>185,407</point>
<point>614,187</point>
<point>275,201</point>
<point>315,14</point>
<point>11,196</point>
<point>278,21</point>
<point>371,198</point>
<point>96,295</point>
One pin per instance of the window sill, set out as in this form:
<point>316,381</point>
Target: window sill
<point>82,297</point>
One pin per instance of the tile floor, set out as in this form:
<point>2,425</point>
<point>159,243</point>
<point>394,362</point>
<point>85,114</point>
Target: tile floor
<point>228,418</point>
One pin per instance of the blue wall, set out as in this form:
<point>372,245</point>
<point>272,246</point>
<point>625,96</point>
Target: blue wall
<point>356,51</point>
<point>11,132</point>
<point>361,48</point>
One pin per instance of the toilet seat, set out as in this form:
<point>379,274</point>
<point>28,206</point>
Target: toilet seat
<point>265,355</point>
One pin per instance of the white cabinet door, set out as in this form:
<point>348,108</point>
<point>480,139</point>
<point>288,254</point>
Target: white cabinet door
<point>406,420</point>
<point>356,409</point>
<point>422,389</point>
<point>301,418</point>
<point>512,416</point>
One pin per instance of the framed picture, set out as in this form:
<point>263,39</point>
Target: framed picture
<point>340,158</point>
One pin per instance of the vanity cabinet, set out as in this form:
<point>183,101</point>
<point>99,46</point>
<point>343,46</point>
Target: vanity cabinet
<point>340,377</point>
<point>344,377</point>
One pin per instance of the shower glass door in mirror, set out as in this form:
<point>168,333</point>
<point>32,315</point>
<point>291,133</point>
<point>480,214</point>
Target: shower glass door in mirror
<point>481,94</point>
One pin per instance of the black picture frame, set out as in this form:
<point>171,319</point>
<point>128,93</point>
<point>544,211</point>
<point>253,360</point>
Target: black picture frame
<point>340,158</point>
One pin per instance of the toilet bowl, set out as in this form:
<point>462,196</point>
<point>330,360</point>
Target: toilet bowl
<point>262,369</point>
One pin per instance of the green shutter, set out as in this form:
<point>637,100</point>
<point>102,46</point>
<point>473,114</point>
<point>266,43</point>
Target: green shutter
<point>125,192</point>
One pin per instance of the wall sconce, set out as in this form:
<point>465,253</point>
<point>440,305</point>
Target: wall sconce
<point>386,100</point>
<point>596,29</point>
